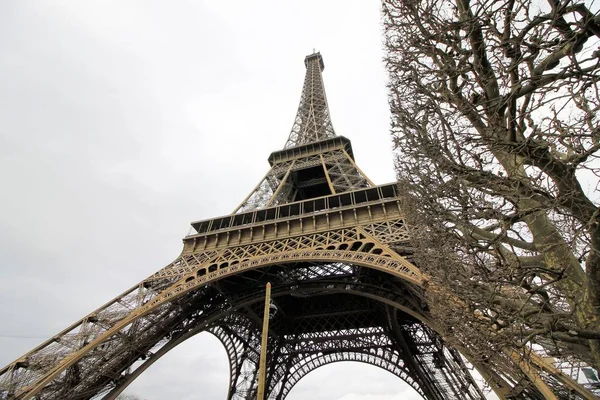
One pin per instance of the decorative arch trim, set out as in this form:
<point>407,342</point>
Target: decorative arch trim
<point>205,327</point>
<point>232,261</point>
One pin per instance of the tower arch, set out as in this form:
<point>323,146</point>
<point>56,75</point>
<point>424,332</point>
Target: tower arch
<point>332,280</point>
<point>349,358</point>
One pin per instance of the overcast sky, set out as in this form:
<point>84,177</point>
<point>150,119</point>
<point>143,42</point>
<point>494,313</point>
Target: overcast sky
<point>123,121</point>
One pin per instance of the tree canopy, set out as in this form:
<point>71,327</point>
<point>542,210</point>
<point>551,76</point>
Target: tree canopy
<point>494,120</point>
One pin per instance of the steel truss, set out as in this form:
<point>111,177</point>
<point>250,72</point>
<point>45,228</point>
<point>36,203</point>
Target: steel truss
<point>279,186</point>
<point>312,122</point>
<point>406,347</point>
<point>337,252</point>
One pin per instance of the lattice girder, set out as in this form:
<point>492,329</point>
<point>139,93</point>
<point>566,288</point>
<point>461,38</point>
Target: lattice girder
<point>307,355</point>
<point>299,354</point>
<point>311,283</point>
<point>385,362</point>
<point>241,340</point>
<point>320,231</point>
<point>145,301</point>
<point>362,342</point>
<point>117,336</point>
<point>279,186</point>
<point>312,122</point>
<point>110,328</point>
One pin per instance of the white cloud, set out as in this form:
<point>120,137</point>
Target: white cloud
<point>398,396</point>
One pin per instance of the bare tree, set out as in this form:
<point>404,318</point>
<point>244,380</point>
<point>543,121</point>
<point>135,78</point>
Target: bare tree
<point>494,118</point>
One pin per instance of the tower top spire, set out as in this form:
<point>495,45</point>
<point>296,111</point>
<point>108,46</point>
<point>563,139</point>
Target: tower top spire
<point>317,58</point>
<point>313,122</point>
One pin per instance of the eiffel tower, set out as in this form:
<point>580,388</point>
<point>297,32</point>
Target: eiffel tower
<point>337,252</point>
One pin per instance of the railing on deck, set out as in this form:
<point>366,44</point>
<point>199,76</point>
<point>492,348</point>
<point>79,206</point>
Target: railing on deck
<point>304,207</point>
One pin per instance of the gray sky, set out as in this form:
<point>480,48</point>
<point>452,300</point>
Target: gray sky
<point>123,121</point>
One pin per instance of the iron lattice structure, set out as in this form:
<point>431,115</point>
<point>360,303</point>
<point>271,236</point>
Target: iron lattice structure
<point>337,252</point>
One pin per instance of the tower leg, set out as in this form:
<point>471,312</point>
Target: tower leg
<point>241,344</point>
